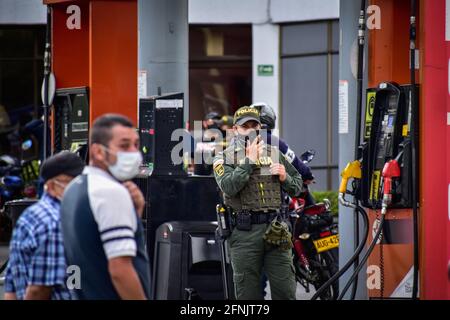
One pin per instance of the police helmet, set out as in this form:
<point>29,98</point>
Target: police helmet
<point>267,115</point>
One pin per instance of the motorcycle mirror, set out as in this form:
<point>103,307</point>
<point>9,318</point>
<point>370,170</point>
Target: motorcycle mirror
<point>27,144</point>
<point>6,160</point>
<point>307,156</point>
<point>327,203</point>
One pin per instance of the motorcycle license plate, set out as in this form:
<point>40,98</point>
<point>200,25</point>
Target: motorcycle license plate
<point>327,243</point>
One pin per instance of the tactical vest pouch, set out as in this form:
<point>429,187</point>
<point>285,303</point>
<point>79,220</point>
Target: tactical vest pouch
<point>262,193</point>
<point>224,221</point>
<point>277,234</point>
<point>244,221</point>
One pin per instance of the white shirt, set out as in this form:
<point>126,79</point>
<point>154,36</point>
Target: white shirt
<point>114,212</point>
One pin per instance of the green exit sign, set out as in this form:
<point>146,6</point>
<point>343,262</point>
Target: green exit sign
<point>265,69</point>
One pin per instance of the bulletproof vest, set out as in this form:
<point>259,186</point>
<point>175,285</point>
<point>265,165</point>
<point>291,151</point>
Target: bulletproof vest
<point>262,191</point>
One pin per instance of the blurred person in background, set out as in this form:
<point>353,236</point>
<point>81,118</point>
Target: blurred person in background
<point>37,267</point>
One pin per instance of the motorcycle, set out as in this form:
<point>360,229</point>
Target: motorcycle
<point>11,182</point>
<point>315,239</point>
<point>18,179</point>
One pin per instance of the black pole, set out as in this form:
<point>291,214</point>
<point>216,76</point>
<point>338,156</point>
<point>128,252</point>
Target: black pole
<point>359,88</point>
<point>412,46</point>
<point>47,70</point>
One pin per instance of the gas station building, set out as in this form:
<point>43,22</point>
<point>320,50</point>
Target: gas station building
<point>300,57</point>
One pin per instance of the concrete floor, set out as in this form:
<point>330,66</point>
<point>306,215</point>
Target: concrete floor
<point>300,294</point>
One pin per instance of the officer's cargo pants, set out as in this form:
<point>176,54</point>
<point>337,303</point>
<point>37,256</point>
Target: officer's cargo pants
<point>249,254</point>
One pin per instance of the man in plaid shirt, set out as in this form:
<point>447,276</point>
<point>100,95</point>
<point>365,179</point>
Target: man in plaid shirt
<point>37,266</point>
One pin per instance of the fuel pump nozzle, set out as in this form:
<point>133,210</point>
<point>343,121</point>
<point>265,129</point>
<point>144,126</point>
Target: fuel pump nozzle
<point>352,170</point>
<point>390,170</point>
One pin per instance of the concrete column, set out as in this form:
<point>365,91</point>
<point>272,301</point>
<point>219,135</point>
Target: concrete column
<point>349,12</point>
<point>266,51</point>
<point>163,46</point>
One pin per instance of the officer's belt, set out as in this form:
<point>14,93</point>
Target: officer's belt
<point>260,217</point>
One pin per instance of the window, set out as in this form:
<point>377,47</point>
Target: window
<point>309,58</point>
<point>21,67</point>
<point>21,74</point>
<point>220,69</point>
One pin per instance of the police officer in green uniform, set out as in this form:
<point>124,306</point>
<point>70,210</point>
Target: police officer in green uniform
<point>251,175</point>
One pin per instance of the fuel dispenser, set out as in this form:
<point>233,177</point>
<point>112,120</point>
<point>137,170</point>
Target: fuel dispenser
<point>382,177</point>
<point>71,121</point>
<point>384,173</point>
<point>387,131</point>
<point>95,73</point>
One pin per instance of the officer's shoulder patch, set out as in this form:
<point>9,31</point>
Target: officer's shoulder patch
<point>218,168</point>
<point>290,155</point>
<point>218,162</point>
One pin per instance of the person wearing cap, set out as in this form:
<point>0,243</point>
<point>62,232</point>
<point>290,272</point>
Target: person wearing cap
<point>225,125</point>
<point>251,176</point>
<point>37,267</point>
<point>211,120</point>
<point>212,139</point>
<point>226,122</point>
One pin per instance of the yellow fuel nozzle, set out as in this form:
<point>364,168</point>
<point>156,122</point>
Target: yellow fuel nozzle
<point>352,170</point>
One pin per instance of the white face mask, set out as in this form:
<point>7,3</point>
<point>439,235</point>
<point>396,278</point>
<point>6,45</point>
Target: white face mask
<point>63,186</point>
<point>126,166</point>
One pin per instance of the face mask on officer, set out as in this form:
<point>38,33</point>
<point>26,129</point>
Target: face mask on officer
<point>247,138</point>
<point>248,132</point>
<point>126,166</point>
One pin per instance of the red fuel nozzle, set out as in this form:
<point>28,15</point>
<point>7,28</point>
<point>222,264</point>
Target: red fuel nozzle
<point>391,170</point>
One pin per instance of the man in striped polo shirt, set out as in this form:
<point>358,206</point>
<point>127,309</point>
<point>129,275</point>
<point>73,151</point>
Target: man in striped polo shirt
<point>100,216</point>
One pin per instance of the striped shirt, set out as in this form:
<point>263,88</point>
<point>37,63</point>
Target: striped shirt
<point>99,223</point>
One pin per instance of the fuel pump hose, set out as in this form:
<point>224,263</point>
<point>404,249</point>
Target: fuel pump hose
<point>353,258</point>
<point>364,259</point>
